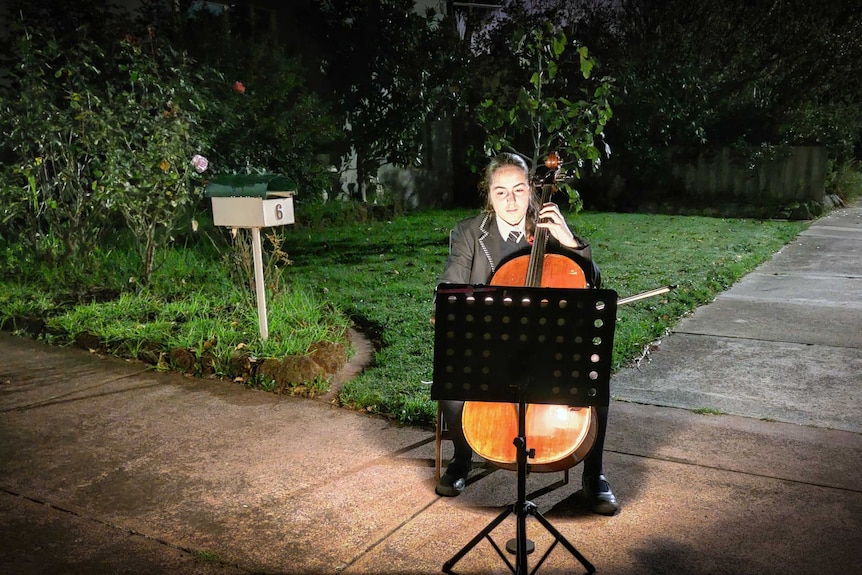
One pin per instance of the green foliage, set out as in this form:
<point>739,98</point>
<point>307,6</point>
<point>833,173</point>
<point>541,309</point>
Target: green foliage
<point>263,111</point>
<point>298,318</point>
<point>844,180</point>
<point>268,120</point>
<point>97,134</point>
<point>207,557</point>
<point>715,74</point>
<point>147,173</point>
<point>536,110</point>
<point>200,311</point>
<point>708,411</point>
<point>389,75</point>
<point>20,303</point>
<point>52,132</point>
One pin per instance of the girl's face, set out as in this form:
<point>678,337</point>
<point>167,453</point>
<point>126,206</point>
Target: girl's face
<point>510,194</point>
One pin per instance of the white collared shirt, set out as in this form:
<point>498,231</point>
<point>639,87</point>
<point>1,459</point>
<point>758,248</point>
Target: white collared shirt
<point>505,229</point>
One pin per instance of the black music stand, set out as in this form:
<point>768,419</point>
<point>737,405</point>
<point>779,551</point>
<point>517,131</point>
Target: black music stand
<point>523,345</point>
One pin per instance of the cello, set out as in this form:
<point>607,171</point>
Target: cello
<point>560,435</point>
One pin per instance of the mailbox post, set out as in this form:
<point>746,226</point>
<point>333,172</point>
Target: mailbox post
<point>253,202</point>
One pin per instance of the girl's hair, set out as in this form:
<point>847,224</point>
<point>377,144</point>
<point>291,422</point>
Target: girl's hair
<point>504,160</point>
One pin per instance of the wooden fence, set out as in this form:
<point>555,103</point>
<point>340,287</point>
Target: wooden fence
<point>799,177</point>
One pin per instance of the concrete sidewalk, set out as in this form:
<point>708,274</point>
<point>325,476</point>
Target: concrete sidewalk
<point>108,467</point>
<point>781,344</point>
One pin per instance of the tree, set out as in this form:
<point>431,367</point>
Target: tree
<point>384,65</point>
<point>545,96</point>
<point>262,113</point>
<point>754,76</point>
<point>98,134</point>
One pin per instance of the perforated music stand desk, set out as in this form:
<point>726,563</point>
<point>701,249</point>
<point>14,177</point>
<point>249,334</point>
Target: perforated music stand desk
<point>523,345</point>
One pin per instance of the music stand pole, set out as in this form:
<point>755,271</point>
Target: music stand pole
<point>523,506</point>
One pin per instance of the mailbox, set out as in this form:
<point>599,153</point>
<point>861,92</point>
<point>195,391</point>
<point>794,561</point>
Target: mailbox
<point>254,202</point>
<point>250,201</point>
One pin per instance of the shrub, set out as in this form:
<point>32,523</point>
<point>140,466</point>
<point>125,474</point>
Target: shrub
<point>151,165</point>
<point>52,125</point>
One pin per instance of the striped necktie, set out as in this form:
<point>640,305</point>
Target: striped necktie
<point>514,236</point>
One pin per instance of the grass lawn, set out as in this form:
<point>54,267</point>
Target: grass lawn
<point>379,276</point>
<point>383,275</point>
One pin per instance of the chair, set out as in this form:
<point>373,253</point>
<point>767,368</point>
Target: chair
<point>441,432</point>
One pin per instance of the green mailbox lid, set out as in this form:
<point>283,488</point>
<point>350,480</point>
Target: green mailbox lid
<point>244,185</point>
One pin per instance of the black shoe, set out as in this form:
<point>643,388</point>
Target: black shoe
<point>599,496</point>
<point>453,482</point>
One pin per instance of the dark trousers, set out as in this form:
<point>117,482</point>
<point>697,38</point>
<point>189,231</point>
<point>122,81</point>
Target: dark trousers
<point>463,456</point>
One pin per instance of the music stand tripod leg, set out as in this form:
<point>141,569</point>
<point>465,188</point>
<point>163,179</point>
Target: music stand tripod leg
<point>522,508</point>
<point>530,508</point>
<point>565,543</point>
<point>486,532</point>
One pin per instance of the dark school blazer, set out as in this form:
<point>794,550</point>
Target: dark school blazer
<point>476,249</point>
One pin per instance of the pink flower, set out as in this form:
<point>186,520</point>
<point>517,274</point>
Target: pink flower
<point>200,163</point>
<point>238,87</point>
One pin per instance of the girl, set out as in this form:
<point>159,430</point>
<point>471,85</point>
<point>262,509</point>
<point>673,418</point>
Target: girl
<point>477,245</point>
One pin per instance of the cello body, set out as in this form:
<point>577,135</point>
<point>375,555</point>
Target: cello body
<point>562,436</point>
